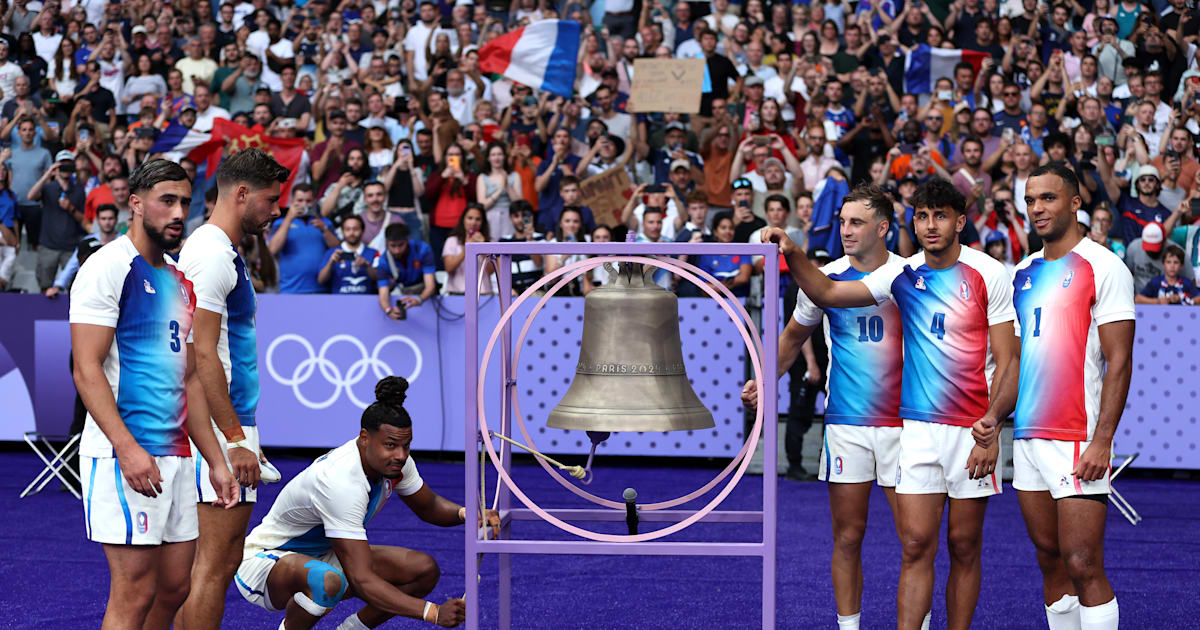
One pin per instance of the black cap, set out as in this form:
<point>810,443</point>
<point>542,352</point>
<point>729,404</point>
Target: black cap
<point>337,113</point>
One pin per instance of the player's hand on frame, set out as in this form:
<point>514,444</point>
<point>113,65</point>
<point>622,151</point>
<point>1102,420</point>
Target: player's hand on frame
<point>750,394</point>
<point>140,471</point>
<point>780,238</point>
<point>493,521</point>
<point>452,613</point>
<point>226,486</point>
<point>1094,462</point>
<point>813,375</point>
<point>982,461</point>
<point>244,463</point>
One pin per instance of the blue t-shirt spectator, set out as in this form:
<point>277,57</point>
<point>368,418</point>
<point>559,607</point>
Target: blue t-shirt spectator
<point>1158,287</point>
<point>550,202</point>
<point>724,267</point>
<point>1135,215</point>
<point>348,279</point>
<point>661,161</point>
<point>302,257</point>
<point>407,270</point>
<point>8,209</point>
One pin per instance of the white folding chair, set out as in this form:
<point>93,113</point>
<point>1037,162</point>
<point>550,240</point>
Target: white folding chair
<point>1123,506</point>
<point>54,465</point>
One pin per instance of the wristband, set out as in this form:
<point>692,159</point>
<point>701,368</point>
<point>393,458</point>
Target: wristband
<point>430,606</point>
<point>233,435</point>
<point>242,443</point>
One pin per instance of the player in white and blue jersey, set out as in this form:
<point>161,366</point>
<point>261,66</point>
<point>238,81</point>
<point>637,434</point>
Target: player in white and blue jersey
<point>131,312</point>
<point>226,351</point>
<point>956,307</point>
<point>311,549</point>
<point>862,409</point>
<point>1074,300</point>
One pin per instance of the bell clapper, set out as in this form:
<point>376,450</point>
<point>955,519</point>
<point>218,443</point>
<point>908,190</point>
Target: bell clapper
<point>575,471</point>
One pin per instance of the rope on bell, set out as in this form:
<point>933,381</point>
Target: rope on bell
<point>577,472</point>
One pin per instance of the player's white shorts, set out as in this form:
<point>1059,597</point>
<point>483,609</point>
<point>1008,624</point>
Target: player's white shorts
<point>1046,465</point>
<point>857,454</point>
<point>933,460</point>
<point>204,486</point>
<point>252,573</point>
<point>116,514</point>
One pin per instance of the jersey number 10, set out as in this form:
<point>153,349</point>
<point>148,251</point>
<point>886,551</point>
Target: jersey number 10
<point>870,328</point>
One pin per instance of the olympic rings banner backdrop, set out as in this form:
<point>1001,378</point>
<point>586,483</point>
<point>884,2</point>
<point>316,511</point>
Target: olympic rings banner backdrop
<point>320,356</point>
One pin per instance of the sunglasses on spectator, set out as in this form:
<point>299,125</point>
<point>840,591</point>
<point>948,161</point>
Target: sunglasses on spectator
<point>1007,93</point>
<point>933,118</point>
<point>741,183</point>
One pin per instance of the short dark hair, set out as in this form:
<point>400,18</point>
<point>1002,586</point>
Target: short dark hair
<point>568,179</point>
<point>1058,170</point>
<point>874,198</point>
<point>1174,250</point>
<point>151,173</point>
<point>354,217</point>
<point>972,140</point>
<point>374,182</point>
<point>250,166</point>
<point>519,207</point>
<point>780,199</point>
<point>106,207</point>
<point>302,187</point>
<point>939,193</point>
<point>396,232</point>
<point>696,196</point>
<point>653,210</point>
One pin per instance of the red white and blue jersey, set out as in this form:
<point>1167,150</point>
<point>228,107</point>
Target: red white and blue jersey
<point>946,315</point>
<point>866,354</point>
<point>222,285</point>
<point>1060,303</point>
<point>151,310</point>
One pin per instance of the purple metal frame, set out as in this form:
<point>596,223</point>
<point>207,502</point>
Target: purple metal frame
<point>476,543</point>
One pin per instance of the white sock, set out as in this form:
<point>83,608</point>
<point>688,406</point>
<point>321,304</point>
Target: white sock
<point>848,622</point>
<point>1063,614</point>
<point>282,624</point>
<point>925,623</point>
<point>353,623</point>
<point>1102,617</point>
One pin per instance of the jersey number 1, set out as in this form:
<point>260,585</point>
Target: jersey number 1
<point>938,326</point>
<point>1037,322</point>
<point>175,342</point>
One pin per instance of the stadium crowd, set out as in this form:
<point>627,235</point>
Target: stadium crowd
<point>412,151</point>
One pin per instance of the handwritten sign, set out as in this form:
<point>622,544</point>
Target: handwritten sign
<point>606,194</point>
<point>667,85</point>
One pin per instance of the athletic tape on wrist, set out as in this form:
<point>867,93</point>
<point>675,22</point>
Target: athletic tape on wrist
<point>430,606</point>
<point>309,605</point>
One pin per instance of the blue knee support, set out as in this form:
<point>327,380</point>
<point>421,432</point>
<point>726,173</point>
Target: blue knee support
<point>316,582</point>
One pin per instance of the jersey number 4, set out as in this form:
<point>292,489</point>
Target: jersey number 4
<point>938,326</point>
<point>176,344</point>
<point>870,328</point>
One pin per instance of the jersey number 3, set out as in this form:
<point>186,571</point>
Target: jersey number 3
<point>176,345</point>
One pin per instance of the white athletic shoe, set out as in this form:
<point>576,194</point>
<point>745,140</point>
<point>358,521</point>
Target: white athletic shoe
<point>267,472</point>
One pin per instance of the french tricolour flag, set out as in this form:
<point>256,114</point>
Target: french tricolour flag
<point>541,55</point>
<point>926,65</point>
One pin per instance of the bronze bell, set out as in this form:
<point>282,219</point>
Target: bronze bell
<point>630,375</point>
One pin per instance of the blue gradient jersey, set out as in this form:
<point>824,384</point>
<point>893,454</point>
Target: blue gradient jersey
<point>150,309</point>
<point>222,285</point>
<point>1060,304</point>
<point>946,314</point>
<point>332,498</point>
<point>866,354</point>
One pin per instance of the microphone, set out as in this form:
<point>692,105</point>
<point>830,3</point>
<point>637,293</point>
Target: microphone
<point>631,517</point>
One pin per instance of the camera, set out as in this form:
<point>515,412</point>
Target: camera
<point>402,309</point>
<point>345,256</point>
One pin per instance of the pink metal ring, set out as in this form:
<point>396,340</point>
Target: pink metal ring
<point>749,335</point>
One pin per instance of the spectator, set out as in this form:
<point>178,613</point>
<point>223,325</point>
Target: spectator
<point>715,146</point>
<point>472,227</point>
<point>1169,287</point>
<point>1102,229</point>
<point>1143,207</point>
<point>1144,254</point>
<point>405,184</point>
<point>496,188</point>
<point>350,268</point>
<point>345,196</point>
<point>449,190</point>
<point>106,232</point>
<point>730,270</point>
<point>300,239</point>
<point>405,271</point>
<point>745,222</point>
<point>9,239</point>
<point>570,230</point>
<point>62,215</point>
<point>329,155</point>
<point>526,269</point>
<point>572,197</point>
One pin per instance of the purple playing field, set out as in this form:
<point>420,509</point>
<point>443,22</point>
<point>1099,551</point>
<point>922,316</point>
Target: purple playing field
<point>54,578</point>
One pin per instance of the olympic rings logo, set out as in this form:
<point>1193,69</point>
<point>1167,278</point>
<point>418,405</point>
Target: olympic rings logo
<point>357,371</point>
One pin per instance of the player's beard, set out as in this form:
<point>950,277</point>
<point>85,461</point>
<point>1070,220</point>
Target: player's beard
<point>249,226</point>
<point>160,238</point>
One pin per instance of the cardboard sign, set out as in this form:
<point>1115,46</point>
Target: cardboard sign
<point>667,85</point>
<point>606,194</point>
